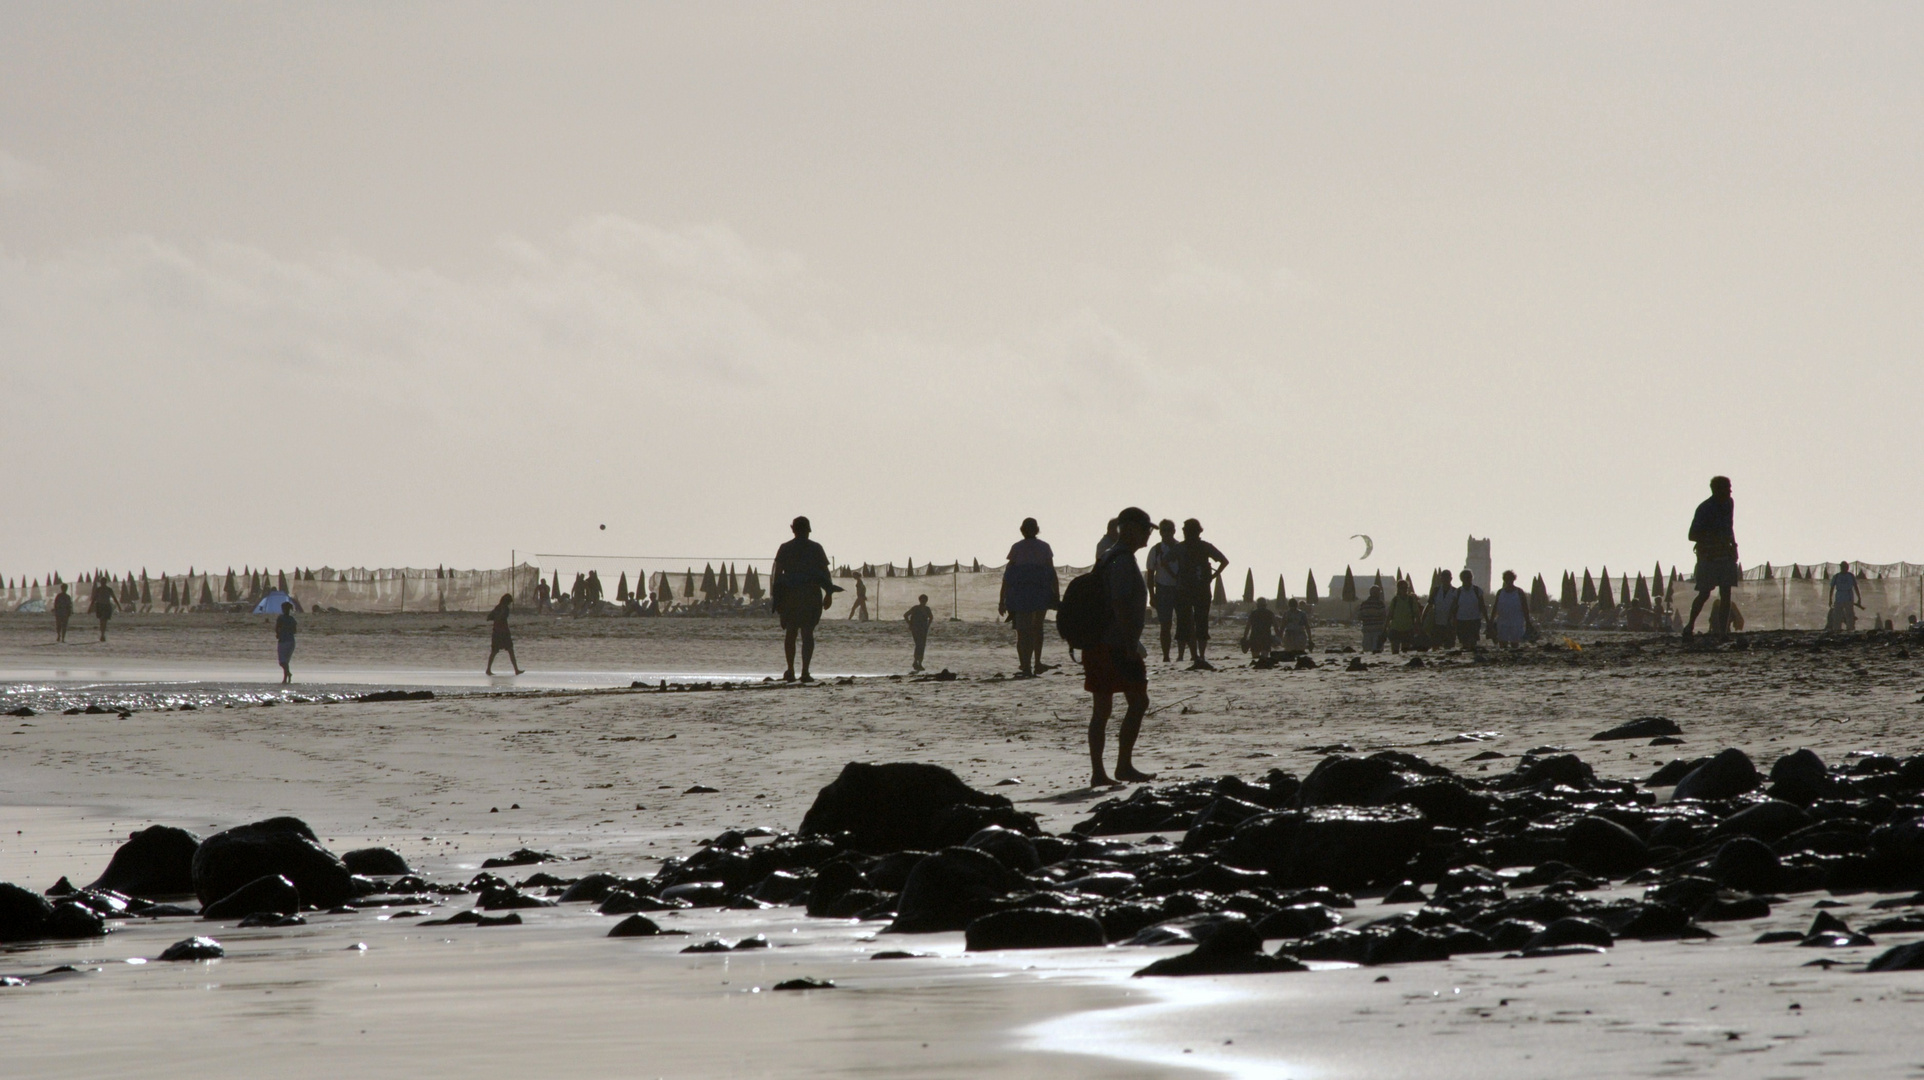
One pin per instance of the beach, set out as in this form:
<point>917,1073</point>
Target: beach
<point>600,776</point>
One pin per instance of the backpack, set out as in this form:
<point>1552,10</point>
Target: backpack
<point>1085,612</point>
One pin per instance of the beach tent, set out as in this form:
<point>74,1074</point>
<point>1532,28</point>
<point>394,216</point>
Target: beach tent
<point>35,606</point>
<point>271,603</point>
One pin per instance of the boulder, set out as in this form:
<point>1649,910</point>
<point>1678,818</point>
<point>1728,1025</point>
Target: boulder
<point>1901,958</point>
<point>883,808</point>
<point>1799,777</point>
<point>1601,846</point>
<point>1404,945</point>
<point>1571,931</point>
<point>23,914</point>
<point>155,861</point>
<point>285,846</point>
<point>1643,727</point>
<point>592,889</point>
<point>1748,864</point>
<point>1339,780</point>
<point>1672,771</point>
<point>635,926</point>
<point>1329,845</point>
<point>1010,848</point>
<point>831,881</point>
<point>1033,928</point>
<point>1447,802</point>
<point>950,889</point>
<point>376,862</point>
<point>71,919</point>
<point>1297,921</point>
<point>1770,820</point>
<point>271,893</point>
<point>1567,770</point>
<point>890,872</point>
<point>1729,774</point>
<point>194,948</point>
<point>1235,949</point>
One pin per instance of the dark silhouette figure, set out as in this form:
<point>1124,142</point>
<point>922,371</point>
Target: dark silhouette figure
<point>500,638</point>
<point>284,628</point>
<point>860,606</point>
<point>1471,612</point>
<point>919,619</point>
<point>1259,636</point>
<point>1404,616</point>
<point>1165,589</point>
<point>103,604</point>
<point>1029,592</point>
<point>1714,531</point>
<point>1198,581</point>
<point>62,614</point>
<point>1116,665</point>
<point>801,589</point>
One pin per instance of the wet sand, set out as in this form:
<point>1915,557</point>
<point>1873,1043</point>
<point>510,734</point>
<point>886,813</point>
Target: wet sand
<point>438,780</point>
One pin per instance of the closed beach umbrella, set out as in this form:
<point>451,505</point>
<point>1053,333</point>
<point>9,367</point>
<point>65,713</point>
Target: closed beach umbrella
<point>1623,587</point>
<point>1310,595</point>
<point>1220,597</point>
<point>1282,594</point>
<point>206,589</point>
<point>1643,592</point>
<point>1539,596</point>
<point>1605,600</point>
<point>707,582</point>
<point>1568,598</point>
<point>1349,585</point>
<point>1589,587</point>
<point>1249,587</point>
<point>688,584</point>
<point>621,589</point>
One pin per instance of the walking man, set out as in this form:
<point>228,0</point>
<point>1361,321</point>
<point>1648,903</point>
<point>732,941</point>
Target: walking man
<point>284,628</point>
<point>1846,599</point>
<point>1471,612</point>
<point>801,589</point>
<point>1714,531</point>
<point>1165,588</point>
<point>62,614</point>
<point>860,606</point>
<point>1117,664</point>
<point>1198,577</point>
<point>919,618</point>
<point>103,605</point>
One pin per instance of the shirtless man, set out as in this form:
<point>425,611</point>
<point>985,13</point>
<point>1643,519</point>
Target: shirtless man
<point>801,589</point>
<point>1714,531</point>
<point>1116,665</point>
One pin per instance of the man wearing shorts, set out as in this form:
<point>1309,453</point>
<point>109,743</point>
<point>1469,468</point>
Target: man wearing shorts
<point>1198,577</point>
<point>1714,531</point>
<point>1845,599</point>
<point>1165,589</point>
<point>1116,664</point>
<point>801,589</point>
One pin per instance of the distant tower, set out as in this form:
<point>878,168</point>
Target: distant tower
<point>1477,562</point>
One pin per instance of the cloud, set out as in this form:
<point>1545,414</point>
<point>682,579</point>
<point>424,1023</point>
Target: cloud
<point>1189,278</point>
<point>19,176</point>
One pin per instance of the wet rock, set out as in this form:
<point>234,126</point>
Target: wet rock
<point>377,861</point>
<point>1724,776</point>
<point>1298,921</point>
<point>623,902</point>
<point>1011,849</point>
<point>155,861</point>
<point>635,926</point>
<point>1102,883</point>
<point>753,941</point>
<point>166,911</point>
<point>1688,892</point>
<point>830,882</point>
<point>861,904</point>
<point>1404,945</point>
<point>504,898</point>
<point>269,893</point>
<point>519,857</point>
<point>285,846</point>
<point>1326,845</point>
<point>950,889</point>
<point>397,695</point>
<point>1033,928</point>
<point>1233,950</point>
<point>1800,777</point>
<point>194,948</point>
<point>780,887</point>
<point>903,805</point>
<point>1901,958</point>
<point>271,919</point>
<point>1407,892</point>
<point>75,920</point>
<point>1643,727</point>
<point>1602,846</point>
<point>1673,771</point>
<point>1770,820</point>
<point>473,917</point>
<point>23,914</point>
<point>592,889</point>
<point>1654,921</point>
<point>1901,839</point>
<point>1748,864</point>
<point>806,983</point>
<point>1777,937</point>
<point>1340,780</point>
<point>712,945</point>
<point>1572,931</point>
<point>1734,909</point>
<point>1513,933</point>
<point>1566,770</point>
<point>890,872</point>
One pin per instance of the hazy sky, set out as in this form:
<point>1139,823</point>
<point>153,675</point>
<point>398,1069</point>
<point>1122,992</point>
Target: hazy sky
<point>386,283</point>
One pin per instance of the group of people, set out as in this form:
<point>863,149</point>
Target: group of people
<point>101,602</point>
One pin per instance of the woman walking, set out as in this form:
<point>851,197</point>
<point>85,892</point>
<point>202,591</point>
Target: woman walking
<point>1029,591</point>
<point>501,638</point>
<point>1510,621</point>
<point>284,628</point>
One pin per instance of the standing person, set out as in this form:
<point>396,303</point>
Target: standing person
<point>1165,588</point>
<point>1714,531</point>
<point>284,628</point>
<point>103,604</point>
<point>1029,592</point>
<point>1471,612</point>
<point>1405,612</point>
<point>919,619</point>
<point>1296,633</point>
<point>591,593</point>
<point>1442,615</point>
<point>62,614</point>
<point>1372,615</point>
<point>860,606</point>
<point>499,637</point>
<point>1846,599</point>
<point>1510,622</point>
<point>1117,665</point>
<point>1259,636</point>
<point>540,596</point>
<point>1197,579</point>
<point>801,588</point>
<point>1107,542</point>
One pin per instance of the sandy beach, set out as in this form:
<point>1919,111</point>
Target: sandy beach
<point>598,777</point>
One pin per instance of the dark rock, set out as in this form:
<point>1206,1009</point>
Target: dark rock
<point>1449,803</point>
<point>1572,931</point>
<point>712,945</point>
<point>285,846</point>
<point>155,861</point>
<point>75,920</point>
<point>1298,920</point>
<point>1688,892</point>
<point>806,983</point>
<point>1900,839</point>
<point>1777,937</point>
<point>1643,727</point>
<point>1346,946</point>
<point>1724,776</point>
<point>1513,933</point>
<point>1656,921</point>
<point>592,889</point>
<point>890,872</point>
<point>23,914</point>
<point>519,857</point>
<point>473,917</point>
<point>1033,928</point>
<point>270,893</point>
<point>377,861</point>
<point>1832,939</point>
<point>1800,777</point>
<point>167,911</point>
<point>1602,846</point>
<point>397,695</point>
<point>1567,770</point>
<point>780,887</point>
<point>1748,864</point>
<point>862,904</point>
<point>1234,949</point>
<point>903,805</point>
<point>1327,845</point>
<point>698,893</point>
<point>1404,945</point>
<point>271,919</point>
<point>623,902</point>
<point>1339,780</point>
<point>1103,883</point>
<point>1217,878</point>
<point>1676,769</point>
<point>1407,892</point>
<point>507,898</point>
<point>753,941</point>
<point>1901,958</point>
<point>950,889</point>
<point>1734,909</point>
<point>194,948</point>
<point>1010,848</point>
<point>1769,820</point>
<point>830,882</point>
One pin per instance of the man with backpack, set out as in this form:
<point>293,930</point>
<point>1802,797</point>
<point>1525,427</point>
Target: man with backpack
<point>1103,612</point>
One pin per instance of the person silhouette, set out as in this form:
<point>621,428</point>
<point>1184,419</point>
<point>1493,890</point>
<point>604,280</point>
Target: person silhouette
<point>1714,531</point>
<point>800,589</point>
<point>919,618</point>
<point>500,638</point>
<point>284,628</point>
<point>1029,591</point>
<point>62,614</point>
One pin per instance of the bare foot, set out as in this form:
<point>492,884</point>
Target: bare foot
<point>789,675</point>
<point>517,671</point>
<point>806,677</point>
<point>1134,775</point>
<point>1101,779</point>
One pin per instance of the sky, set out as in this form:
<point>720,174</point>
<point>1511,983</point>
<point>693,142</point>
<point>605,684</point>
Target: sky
<point>417,284</point>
